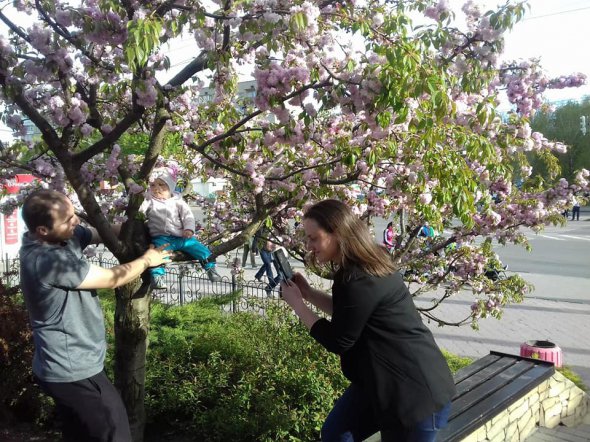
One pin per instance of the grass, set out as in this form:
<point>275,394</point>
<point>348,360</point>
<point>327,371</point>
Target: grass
<point>573,376</point>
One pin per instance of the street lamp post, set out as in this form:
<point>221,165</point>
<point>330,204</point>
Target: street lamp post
<point>584,120</point>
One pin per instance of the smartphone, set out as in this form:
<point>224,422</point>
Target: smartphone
<point>282,264</point>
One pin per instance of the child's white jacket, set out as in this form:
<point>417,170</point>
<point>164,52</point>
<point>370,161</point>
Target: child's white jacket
<point>167,217</point>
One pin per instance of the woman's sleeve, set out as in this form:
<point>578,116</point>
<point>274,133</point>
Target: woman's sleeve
<point>354,302</point>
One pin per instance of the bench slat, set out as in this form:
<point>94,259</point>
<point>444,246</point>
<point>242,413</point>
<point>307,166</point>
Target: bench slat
<point>474,367</point>
<point>494,399</point>
<point>489,387</point>
<point>483,375</point>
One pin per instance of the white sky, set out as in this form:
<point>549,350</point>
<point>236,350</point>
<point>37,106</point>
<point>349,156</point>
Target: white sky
<point>556,31</point>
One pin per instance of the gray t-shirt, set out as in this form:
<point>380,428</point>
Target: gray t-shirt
<point>68,325</point>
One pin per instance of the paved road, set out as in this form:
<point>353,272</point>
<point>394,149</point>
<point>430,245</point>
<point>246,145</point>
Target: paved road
<point>562,251</point>
<point>556,250</point>
<point>565,323</point>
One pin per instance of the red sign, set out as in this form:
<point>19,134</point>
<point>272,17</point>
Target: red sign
<point>12,185</point>
<point>11,228</point>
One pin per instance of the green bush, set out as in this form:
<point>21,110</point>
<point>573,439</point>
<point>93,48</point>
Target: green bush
<point>238,376</point>
<point>211,375</point>
<point>456,362</point>
<point>20,399</point>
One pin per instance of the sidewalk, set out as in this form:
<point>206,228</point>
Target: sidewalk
<point>566,322</point>
<point>549,313</point>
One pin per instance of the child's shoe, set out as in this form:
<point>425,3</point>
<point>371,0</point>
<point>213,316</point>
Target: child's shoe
<point>213,275</point>
<point>158,283</point>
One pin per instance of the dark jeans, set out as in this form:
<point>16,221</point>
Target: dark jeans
<point>91,410</point>
<point>266,257</point>
<point>351,420</point>
<point>576,213</point>
<point>248,250</point>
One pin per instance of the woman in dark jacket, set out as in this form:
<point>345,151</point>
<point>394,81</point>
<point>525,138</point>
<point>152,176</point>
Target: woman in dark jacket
<point>401,384</point>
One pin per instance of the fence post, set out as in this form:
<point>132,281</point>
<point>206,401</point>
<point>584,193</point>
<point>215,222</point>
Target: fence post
<point>180,285</point>
<point>233,289</point>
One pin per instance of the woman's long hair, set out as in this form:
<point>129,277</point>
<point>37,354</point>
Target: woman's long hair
<point>357,246</point>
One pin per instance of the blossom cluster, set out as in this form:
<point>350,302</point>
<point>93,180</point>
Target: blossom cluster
<point>525,82</point>
<point>404,123</point>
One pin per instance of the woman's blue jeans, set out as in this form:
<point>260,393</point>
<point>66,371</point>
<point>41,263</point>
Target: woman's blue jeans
<point>351,420</point>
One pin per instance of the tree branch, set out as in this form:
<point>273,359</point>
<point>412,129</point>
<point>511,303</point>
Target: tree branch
<point>195,66</point>
<point>232,130</point>
<point>64,33</point>
<point>108,139</point>
<point>15,90</point>
<point>14,28</point>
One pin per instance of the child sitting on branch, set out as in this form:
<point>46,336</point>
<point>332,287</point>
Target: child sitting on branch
<point>171,221</point>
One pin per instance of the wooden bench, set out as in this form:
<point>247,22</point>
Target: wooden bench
<point>488,387</point>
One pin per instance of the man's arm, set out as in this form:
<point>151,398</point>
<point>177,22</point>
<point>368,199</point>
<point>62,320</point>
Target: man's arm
<point>96,239</point>
<point>101,278</point>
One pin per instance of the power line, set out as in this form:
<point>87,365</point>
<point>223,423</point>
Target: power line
<point>535,17</point>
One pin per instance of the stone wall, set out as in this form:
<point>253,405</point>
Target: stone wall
<point>555,401</point>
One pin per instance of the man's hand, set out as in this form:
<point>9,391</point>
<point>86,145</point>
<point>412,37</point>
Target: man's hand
<point>101,278</point>
<point>156,256</point>
<point>187,233</point>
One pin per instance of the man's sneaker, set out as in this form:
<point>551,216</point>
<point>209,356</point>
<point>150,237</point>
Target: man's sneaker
<point>213,275</point>
<point>158,283</point>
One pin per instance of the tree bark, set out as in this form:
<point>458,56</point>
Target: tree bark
<point>131,341</point>
<point>132,319</point>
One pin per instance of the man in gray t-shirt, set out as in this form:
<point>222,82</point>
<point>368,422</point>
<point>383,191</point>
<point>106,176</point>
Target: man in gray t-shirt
<point>50,274</point>
<point>59,286</point>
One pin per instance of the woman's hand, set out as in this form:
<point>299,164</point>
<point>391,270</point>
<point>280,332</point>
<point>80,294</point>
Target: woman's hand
<point>291,294</point>
<point>302,284</point>
<point>187,233</point>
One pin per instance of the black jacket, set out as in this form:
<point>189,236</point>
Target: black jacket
<point>384,347</point>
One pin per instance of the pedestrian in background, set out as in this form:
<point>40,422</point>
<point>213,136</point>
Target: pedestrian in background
<point>576,209</point>
<point>265,248</point>
<point>388,235</point>
<point>59,288</point>
<point>401,384</point>
<point>251,249</point>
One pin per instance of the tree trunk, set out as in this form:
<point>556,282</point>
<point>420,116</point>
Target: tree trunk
<point>132,321</point>
<point>132,315</point>
<point>402,223</point>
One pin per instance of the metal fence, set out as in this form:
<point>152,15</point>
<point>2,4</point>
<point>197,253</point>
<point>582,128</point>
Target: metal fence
<point>9,269</point>
<point>183,282</point>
